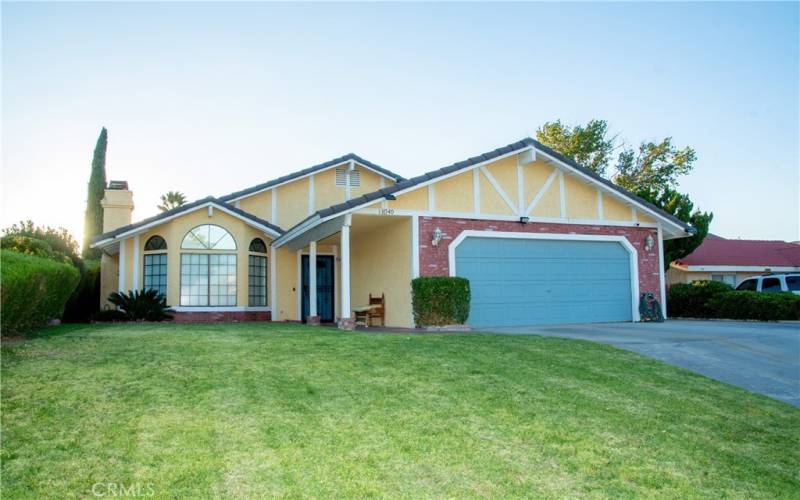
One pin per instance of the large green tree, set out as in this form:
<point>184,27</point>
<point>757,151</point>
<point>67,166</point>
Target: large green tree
<point>93,220</point>
<point>587,144</point>
<point>651,171</point>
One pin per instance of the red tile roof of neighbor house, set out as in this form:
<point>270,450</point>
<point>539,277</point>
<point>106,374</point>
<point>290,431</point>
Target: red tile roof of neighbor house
<point>717,251</point>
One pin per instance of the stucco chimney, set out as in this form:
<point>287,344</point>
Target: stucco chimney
<point>117,205</point>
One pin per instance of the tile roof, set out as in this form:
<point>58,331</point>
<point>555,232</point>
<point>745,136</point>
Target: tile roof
<point>186,208</point>
<point>763,253</point>
<point>309,170</point>
<point>516,146</point>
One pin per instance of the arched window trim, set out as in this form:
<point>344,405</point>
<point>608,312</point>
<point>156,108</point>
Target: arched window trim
<point>255,242</point>
<point>155,243</point>
<point>193,237</point>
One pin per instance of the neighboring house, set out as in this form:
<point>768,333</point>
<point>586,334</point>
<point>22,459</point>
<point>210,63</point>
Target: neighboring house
<point>732,261</point>
<point>541,239</point>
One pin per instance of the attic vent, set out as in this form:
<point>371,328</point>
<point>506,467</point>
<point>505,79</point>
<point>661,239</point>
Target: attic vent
<point>118,185</point>
<point>341,177</point>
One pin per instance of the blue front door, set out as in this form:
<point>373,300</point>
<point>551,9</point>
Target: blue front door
<point>325,288</point>
<point>529,281</point>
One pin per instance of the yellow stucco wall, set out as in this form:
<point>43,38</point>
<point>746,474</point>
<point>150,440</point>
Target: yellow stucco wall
<point>292,203</point>
<point>491,202</point>
<point>173,232</point>
<point>109,278</point>
<point>259,204</point>
<point>581,199</point>
<point>292,197</point>
<point>549,204</point>
<point>413,200</point>
<point>117,208</point>
<point>505,173</point>
<point>615,210</point>
<point>380,262</point>
<point>286,284</point>
<point>534,177</point>
<point>454,194</point>
<point>326,192</point>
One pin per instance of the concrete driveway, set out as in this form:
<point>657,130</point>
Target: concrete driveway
<point>759,357</point>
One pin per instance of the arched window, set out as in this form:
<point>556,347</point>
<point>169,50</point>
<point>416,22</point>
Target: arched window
<point>155,243</point>
<point>257,273</point>
<point>155,264</point>
<point>208,278</point>
<point>208,237</point>
<point>258,245</point>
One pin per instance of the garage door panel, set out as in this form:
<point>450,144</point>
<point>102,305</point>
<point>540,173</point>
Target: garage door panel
<point>529,281</point>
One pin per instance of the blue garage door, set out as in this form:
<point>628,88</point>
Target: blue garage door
<point>529,282</point>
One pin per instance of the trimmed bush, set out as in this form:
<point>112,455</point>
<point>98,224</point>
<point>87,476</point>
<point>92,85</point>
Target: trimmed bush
<point>756,305</point>
<point>691,300</point>
<point>85,300</point>
<point>33,291</point>
<point>440,300</point>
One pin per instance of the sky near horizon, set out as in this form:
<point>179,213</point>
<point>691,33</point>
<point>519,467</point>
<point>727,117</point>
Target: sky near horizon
<point>210,98</point>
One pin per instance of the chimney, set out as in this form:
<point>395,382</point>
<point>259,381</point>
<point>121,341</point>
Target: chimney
<point>117,205</point>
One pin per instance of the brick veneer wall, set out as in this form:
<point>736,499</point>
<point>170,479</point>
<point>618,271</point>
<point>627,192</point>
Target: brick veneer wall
<point>217,316</point>
<point>433,260</point>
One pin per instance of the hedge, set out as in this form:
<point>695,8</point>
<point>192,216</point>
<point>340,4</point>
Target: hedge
<point>756,305</point>
<point>440,300</point>
<point>691,300</point>
<point>712,299</point>
<point>33,291</point>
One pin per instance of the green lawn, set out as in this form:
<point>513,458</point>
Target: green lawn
<point>264,410</point>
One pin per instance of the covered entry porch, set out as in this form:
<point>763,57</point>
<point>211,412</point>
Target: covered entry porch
<point>356,255</point>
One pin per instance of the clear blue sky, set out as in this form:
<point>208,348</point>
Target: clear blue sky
<point>211,98</point>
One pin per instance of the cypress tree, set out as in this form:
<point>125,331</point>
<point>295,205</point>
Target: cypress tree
<point>93,222</point>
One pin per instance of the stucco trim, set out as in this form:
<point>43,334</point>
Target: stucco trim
<point>633,254</point>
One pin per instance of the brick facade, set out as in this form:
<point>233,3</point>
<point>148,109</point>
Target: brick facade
<point>219,316</point>
<point>433,261</point>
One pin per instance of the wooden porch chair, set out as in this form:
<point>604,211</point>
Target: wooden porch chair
<point>374,310</point>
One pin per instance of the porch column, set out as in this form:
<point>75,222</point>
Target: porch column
<point>346,321</point>
<point>121,281</point>
<point>313,318</point>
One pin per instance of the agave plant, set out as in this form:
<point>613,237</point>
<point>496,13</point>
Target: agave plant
<point>147,305</point>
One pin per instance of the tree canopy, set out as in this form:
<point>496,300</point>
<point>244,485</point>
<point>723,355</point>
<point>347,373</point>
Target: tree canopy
<point>171,199</point>
<point>650,171</point>
<point>93,219</point>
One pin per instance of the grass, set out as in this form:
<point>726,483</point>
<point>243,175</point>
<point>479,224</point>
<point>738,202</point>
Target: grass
<point>260,410</point>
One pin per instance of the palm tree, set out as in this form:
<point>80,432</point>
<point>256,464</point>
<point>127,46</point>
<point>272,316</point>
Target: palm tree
<point>171,199</point>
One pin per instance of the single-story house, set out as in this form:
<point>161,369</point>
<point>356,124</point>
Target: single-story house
<point>541,239</point>
<point>733,261</point>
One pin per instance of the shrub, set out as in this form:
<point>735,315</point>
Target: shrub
<point>85,300</point>
<point>440,300</point>
<point>148,305</point>
<point>31,246</point>
<point>756,305</point>
<point>60,241</point>
<point>33,291</point>
<point>691,300</point>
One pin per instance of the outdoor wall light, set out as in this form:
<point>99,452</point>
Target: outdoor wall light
<point>649,242</point>
<point>524,220</point>
<point>437,237</point>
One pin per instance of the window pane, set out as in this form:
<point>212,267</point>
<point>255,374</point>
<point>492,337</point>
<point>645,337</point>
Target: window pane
<point>155,275</point>
<point>771,285</point>
<point>257,280</point>
<point>747,285</point>
<point>793,282</point>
